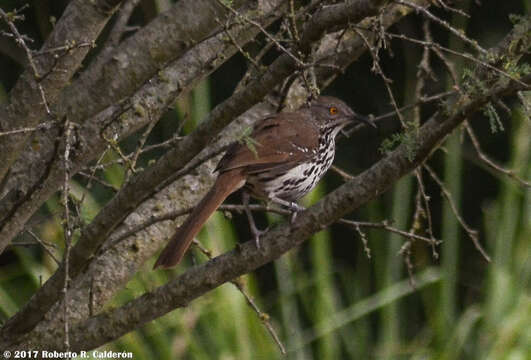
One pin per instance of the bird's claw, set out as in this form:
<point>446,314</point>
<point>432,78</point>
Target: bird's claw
<point>295,209</point>
<point>257,234</point>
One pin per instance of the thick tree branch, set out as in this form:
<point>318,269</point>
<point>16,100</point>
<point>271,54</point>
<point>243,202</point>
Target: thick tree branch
<point>139,57</point>
<point>110,79</point>
<point>200,279</point>
<point>81,23</point>
<point>142,185</point>
<point>39,175</point>
<point>134,241</point>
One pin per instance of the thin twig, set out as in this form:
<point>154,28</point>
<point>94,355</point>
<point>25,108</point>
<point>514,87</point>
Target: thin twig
<point>140,145</point>
<point>64,49</point>
<point>472,234</point>
<point>444,24</point>
<point>44,245</point>
<point>345,175</point>
<point>364,240</point>
<point>461,54</point>
<point>420,101</point>
<point>264,317</point>
<point>262,30</point>
<point>488,161</point>
<point>427,212</point>
<point>42,126</point>
<point>452,9</point>
<point>20,42</point>
<point>172,215</point>
<point>293,21</point>
<point>238,46</point>
<point>116,147</point>
<point>448,64</point>
<point>102,182</point>
<point>384,225</point>
<point>378,69</point>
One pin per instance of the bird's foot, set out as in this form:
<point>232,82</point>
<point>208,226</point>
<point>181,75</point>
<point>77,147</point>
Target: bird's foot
<point>290,205</point>
<point>294,211</point>
<point>252,225</point>
<point>257,233</point>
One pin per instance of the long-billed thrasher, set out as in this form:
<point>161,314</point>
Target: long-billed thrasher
<point>290,153</point>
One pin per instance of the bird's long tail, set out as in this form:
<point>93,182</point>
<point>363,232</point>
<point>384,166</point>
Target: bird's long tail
<point>226,183</point>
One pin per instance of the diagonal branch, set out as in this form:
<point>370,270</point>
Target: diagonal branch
<point>175,162</point>
<point>118,121</point>
<point>198,280</point>
<point>81,22</point>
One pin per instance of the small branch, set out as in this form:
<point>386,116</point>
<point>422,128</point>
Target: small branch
<point>267,208</point>
<point>461,54</point>
<point>198,280</point>
<point>263,31</point>
<point>472,234</point>
<point>489,162</point>
<point>245,54</point>
<point>64,49</point>
<point>420,101</point>
<point>113,143</point>
<point>20,42</point>
<point>43,244</point>
<point>140,145</point>
<point>42,126</point>
<point>345,175</point>
<point>385,226</point>
<point>364,240</point>
<point>452,9</point>
<point>377,69</point>
<point>425,199</point>
<point>93,177</point>
<point>119,28</point>
<point>264,317</point>
<point>444,24</point>
<point>293,21</point>
<point>448,64</point>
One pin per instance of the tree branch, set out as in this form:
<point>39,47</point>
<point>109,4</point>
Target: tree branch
<point>81,22</point>
<point>40,180</point>
<point>105,275</point>
<point>198,280</point>
<point>141,186</point>
<point>345,199</point>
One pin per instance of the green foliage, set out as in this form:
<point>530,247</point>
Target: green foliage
<point>408,138</point>
<point>390,143</point>
<point>494,119</point>
<point>327,300</point>
<point>471,84</point>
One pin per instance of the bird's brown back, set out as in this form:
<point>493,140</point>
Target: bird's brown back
<point>285,139</point>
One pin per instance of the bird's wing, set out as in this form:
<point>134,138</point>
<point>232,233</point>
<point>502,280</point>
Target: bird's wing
<point>283,140</point>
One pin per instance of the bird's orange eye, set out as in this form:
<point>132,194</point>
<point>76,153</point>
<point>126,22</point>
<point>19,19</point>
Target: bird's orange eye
<point>333,110</point>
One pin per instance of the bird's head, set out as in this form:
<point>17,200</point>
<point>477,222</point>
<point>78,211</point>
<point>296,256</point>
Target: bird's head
<point>331,112</point>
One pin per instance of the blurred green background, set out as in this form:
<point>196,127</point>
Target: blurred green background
<point>328,300</point>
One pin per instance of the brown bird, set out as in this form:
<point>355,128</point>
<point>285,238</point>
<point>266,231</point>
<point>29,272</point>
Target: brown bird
<point>288,155</point>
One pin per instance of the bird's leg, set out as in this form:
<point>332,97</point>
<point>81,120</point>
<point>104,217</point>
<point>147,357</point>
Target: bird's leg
<point>254,230</point>
<point>293,206</point>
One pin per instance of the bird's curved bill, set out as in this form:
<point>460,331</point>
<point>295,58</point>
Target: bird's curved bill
<point>364,119</point>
